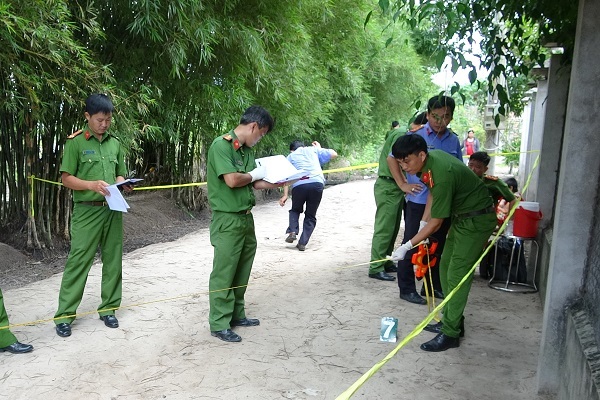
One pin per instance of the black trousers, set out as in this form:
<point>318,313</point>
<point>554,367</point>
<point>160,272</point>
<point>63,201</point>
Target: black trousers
<point>311,195</point>
<point>413,213</point>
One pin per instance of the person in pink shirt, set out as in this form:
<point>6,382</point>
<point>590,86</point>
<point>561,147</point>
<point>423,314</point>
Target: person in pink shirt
<point>471,144</point>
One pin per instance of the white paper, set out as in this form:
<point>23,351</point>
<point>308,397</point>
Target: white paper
<point>115,200</point>
<point>280,169</point>
<point>130,181</point>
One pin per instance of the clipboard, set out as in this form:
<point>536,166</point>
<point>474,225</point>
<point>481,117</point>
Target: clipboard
<point>280,170</point>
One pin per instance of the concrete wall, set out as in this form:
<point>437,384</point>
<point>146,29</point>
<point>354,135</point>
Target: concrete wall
<point>545,178</point>
<point>533,148</point>
<point>580,359</point>
<point>551,144</point>
<point>526,132</point>
<point>541,277</point>
<point>580,372</point>
<point>576,191</point>
<point>591,280</point>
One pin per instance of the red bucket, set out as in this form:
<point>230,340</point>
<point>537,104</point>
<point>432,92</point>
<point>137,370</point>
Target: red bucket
<point>525,223</point>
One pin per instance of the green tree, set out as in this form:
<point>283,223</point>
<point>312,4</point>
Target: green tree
<point>44,71</point>
<point>180,73</point>
<point>513,34</point>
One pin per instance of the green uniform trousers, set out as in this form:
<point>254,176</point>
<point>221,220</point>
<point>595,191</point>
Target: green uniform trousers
<point>234,241</point>
<point>465,243</point>
<point>92,226</point>
<point>6,336</point>
<point>389,200</point>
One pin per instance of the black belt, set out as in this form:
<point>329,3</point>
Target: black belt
<point>487,210</point>
<point>94,203</point>
<point>244,212</point>
<point>389,178</point>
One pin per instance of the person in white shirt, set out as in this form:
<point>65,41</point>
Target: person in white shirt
<point>305,191</point>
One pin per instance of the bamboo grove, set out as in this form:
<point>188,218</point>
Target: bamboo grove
<point>181,72</point>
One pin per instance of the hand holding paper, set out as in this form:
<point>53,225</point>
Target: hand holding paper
<point>258,173</point>
<point>115,199</point>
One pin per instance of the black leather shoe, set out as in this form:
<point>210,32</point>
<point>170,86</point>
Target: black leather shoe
<point>18,348</point>
<point>436,293</point>
<point>291,237</point>
<point>110,320</point>
<point>227,335</point>
<point>392,268</point>
<point>63,329</point>
<point>382,276</point>
<point>437,328</point>
<point>301,247</point>
<point>245,322</point>
<point>440,343</point>
<point>413,298</point>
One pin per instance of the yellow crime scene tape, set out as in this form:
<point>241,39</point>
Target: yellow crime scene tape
<point>365,377</point>
<point>82,314</point>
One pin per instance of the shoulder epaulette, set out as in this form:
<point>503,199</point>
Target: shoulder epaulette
<point>236,143</point>
<point>491,177</point>
<point>74,134</point>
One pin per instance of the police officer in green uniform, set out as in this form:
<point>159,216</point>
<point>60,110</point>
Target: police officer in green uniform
<point>458,193</point>
<point>389,199</point>
<point>231,176</point>
<point>8,341</point>
<point>93,159</point>
<point>478,163</point>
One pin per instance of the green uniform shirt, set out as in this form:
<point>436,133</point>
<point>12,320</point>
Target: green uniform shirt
<point>391,137</point>
<point>455,188</point>
<point>498,188</point>
<point>85,157</point>
<point>226,156</point>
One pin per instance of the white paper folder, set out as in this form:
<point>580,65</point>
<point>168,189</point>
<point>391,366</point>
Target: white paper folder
<point>280,170</point>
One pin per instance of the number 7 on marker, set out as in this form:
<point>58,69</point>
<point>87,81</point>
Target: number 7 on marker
<point>390,323</point>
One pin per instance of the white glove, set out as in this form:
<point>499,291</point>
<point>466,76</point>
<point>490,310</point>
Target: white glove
<point>258,173</point>
<point>401,251</point>
<point>422,225</point>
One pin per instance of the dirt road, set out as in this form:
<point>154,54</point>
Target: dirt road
<point>320,322</point>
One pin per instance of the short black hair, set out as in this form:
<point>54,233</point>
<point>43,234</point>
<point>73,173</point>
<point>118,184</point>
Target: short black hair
<point>512,183</point>
<point>98,103</point>
<point>395,124</point>
<point>259,115</point>
<point>295,144</point>
<point>440,102</point>
<point>421,119</point>
<point>481,156</point>
<point>408,144</point>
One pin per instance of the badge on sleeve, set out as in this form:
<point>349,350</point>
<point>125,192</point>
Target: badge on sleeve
<point>427,178</point>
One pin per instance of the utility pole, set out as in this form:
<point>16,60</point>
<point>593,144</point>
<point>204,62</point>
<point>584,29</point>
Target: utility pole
<point>492,132</point>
